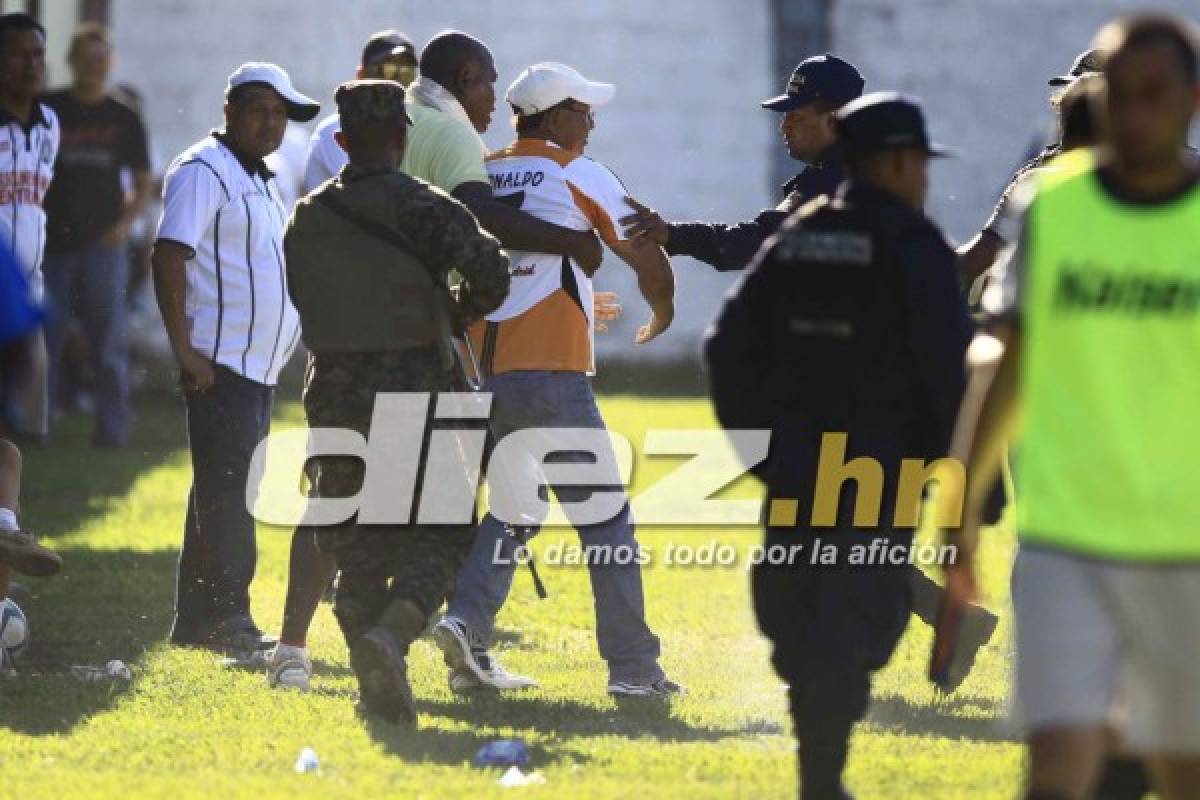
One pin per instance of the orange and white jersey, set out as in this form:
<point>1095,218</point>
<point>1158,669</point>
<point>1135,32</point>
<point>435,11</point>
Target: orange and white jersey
<point>545,323</point>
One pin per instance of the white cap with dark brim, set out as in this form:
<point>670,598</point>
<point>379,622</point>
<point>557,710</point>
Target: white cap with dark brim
<point>545,85</point>
<point>300,108</point>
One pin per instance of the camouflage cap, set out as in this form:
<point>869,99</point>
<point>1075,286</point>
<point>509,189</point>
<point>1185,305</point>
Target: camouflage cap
<point>364,101</point>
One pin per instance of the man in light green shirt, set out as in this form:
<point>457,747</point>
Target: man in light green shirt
<point>443,150</point>
<point>451,104</point>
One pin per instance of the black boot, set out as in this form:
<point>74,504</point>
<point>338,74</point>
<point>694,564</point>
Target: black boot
<point>378,660</point>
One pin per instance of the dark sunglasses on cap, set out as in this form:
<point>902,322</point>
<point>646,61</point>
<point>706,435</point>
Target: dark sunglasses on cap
<point>392,70</point>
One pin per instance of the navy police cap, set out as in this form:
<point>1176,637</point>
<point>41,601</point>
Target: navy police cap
<point>882,121</point>
<point>825,77</point>
<point>1085,63</point>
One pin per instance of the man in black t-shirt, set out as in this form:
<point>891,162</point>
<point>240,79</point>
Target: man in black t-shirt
<point>101,185</point>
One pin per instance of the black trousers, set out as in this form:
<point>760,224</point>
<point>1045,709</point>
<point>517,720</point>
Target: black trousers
<point>225,423</point>
<point>830,627</point>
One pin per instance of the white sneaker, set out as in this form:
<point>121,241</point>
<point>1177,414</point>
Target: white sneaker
<point>463,655</point>
<point>289,667</point>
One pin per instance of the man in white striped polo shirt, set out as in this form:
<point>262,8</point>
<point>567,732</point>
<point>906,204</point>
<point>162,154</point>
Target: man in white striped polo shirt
<point>220,280</point>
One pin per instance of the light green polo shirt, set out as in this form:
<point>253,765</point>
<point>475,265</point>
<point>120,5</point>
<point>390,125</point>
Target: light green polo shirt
<point>442,150</point>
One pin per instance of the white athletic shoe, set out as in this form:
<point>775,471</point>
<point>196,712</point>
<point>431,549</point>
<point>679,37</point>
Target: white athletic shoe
<point>289,667</point>
<point>661,688</point>
<point>468,659</point>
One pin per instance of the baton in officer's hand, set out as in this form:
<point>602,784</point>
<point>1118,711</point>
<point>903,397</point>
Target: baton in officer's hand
<point>470,364</point>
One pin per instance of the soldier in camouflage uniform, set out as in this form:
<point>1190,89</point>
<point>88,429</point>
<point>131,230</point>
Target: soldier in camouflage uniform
<point>368,256</point>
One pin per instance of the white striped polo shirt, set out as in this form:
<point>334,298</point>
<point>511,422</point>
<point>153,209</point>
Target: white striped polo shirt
<point>26,167</point>
<point>230,215</point>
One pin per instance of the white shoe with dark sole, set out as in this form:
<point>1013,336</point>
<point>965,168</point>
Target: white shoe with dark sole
<point>465,661</point>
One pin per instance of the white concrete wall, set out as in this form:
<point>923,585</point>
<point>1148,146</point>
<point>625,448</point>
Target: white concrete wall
<point>981,67</point>
<point>59,18</point>
<point>684,131</point>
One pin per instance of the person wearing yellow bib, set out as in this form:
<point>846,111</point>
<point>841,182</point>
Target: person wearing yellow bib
<point>1094,355</point>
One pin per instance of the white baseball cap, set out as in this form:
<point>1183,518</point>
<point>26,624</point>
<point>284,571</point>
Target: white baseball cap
<point>545,85</point>
<point>300,108</point>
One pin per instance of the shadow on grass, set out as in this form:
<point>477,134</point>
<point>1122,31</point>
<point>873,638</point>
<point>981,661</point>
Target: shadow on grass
<point>106,604</point>
<point>563,717</point>
<point>330,669</point>
<point>492,716</point>
<point>425,745</point>
<point>67,482</point>
<point>952,718</point>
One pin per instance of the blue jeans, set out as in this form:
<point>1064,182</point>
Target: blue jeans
<point>225,423</point>
<point>92,283</point>
<point>529,399</point>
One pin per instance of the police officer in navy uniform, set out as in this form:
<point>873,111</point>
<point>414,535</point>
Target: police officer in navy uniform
<point>849,320</point>
<point>819,86</point>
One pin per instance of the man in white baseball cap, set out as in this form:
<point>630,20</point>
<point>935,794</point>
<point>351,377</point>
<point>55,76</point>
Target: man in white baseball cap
<point>537,362</point>
<point>543,86</point>
<point>300,108</point>
<point>222,291</point>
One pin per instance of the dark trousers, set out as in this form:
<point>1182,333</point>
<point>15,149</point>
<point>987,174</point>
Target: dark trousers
<point>830,627</point>
<point>93,283</point>
<point>216,564</point>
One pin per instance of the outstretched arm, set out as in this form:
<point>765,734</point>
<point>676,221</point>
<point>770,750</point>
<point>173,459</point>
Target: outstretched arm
<point>725,247</point>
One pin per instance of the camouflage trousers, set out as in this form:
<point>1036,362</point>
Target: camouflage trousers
<point>379,564</point>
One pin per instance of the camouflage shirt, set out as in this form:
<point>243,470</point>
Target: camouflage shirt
<point>448,240</point>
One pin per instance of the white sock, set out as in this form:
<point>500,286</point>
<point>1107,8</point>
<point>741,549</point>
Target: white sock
<point>8,520</point>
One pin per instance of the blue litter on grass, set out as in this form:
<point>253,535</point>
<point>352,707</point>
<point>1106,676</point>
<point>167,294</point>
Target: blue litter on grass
<point>308,762</point>
<point>503,753</point>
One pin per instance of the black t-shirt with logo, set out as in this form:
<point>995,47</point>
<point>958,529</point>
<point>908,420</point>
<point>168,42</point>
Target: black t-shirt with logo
<point>87,196</point>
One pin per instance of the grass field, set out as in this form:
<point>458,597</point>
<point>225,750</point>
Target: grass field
<point>188,727</point>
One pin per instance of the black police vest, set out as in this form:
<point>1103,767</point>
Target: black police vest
<point>844,363</point>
